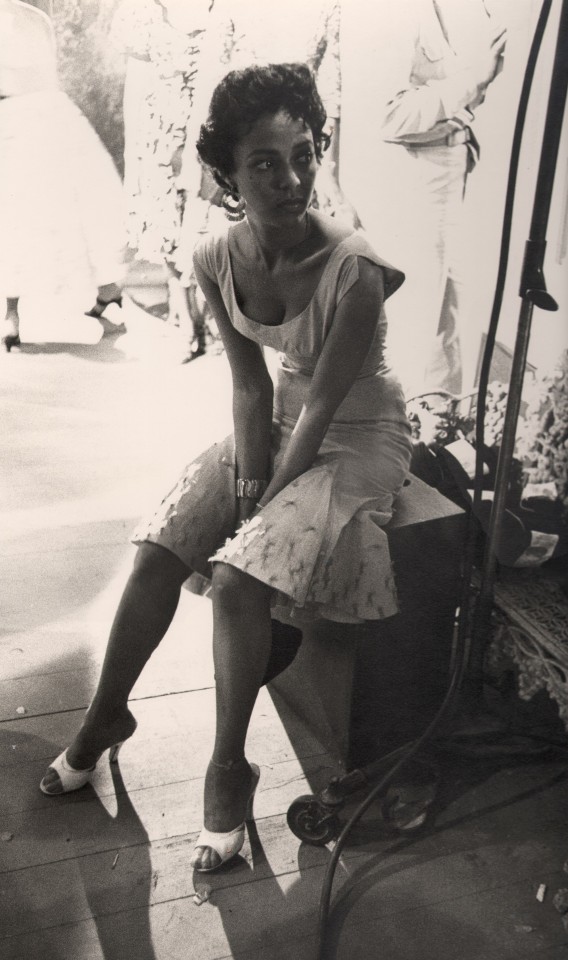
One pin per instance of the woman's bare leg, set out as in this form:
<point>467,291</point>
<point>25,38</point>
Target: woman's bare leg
<point>177,301</point>
<point>11,324</point>
<point>241,649</point>
<point>198,342</point>
<point>145,612</point>
<point>12,309</point>
<point>183,304</point>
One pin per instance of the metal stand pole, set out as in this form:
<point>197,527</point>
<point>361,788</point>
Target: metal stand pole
<point>533,293</point>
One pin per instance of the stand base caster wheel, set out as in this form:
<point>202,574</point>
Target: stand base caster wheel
<point>312,821</point>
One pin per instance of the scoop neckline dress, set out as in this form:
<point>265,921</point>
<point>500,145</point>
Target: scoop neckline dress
<point>319,544</point>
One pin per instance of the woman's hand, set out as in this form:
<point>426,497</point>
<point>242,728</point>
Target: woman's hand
<point>246,508</point>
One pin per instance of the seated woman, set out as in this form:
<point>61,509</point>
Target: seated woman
<point>285,516</point>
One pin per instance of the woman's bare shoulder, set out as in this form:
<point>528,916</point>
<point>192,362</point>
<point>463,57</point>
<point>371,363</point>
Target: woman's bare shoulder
<point>330,231</point>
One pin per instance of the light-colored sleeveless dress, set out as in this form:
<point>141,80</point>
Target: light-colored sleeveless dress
<point>319,543</point>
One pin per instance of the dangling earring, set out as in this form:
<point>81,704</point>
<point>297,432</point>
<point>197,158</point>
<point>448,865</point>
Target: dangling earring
<point>233,205</point>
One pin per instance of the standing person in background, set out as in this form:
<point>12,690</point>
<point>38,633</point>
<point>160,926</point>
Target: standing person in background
<point>60,195</point>
<point>168,37</point>
<point>405,80</point>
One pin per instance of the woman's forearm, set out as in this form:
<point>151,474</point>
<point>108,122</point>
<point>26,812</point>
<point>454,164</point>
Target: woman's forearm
<point>252,418</point>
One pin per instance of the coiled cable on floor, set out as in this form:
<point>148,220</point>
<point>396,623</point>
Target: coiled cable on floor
<point>404,753</point>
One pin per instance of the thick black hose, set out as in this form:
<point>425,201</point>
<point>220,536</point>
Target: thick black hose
<point>410,750</point>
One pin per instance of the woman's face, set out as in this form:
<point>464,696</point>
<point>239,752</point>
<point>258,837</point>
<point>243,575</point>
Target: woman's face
<point>275,169</point>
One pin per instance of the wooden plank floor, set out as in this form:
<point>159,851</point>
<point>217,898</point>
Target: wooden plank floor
<point>90,436</point>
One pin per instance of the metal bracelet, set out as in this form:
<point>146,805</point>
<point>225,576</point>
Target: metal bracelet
<point>250,489</point>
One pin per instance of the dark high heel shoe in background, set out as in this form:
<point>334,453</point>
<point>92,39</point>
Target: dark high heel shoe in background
<point>109,328</point>
<point>101,305</point>
<point>11,340</point>
<point>193,354</point>
<point>10,335</point>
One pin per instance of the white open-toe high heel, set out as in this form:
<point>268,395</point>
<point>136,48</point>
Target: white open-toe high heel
<point>70,779</point>
<point>227,845</point>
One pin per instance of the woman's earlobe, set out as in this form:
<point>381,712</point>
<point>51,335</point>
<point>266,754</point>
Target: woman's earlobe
<point>233,205</point>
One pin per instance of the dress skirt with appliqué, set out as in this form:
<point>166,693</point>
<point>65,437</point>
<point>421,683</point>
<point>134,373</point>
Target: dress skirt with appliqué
<point>319,543</point>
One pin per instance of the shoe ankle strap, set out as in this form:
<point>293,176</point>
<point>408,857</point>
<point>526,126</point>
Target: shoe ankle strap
<point>227,764</point>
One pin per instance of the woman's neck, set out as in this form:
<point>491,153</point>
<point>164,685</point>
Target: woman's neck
<point>272,241</point>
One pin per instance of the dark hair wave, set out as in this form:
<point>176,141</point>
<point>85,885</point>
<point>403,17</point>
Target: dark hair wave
<point>244,96</point>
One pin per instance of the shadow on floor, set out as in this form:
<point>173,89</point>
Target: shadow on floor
<point>275,911</point>
<point>107,350</point>
<point>101,893</point>
<point>510,816</point>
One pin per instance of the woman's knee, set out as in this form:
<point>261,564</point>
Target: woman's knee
<point>235,591</point>
<point>155,563</point>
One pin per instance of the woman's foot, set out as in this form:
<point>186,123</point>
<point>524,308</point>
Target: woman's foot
<point>82,755</point>
<point>107,309</point>
<point>229,792</point>
<point>11,331</point>
<point>196,350</point>
<point>95,737</point>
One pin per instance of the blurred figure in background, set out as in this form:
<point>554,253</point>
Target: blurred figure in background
<point>405,80</point>
<point>164,42</point>
<point>60,195</point>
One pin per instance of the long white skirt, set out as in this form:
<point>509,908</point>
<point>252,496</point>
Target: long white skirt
<point>61,204</point>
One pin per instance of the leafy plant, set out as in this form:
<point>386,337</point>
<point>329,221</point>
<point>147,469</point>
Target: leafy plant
<point>436,418</point>
<point>542,442</point>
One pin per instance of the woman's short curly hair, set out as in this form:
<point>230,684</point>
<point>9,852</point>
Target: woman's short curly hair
<point>243,96</point>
